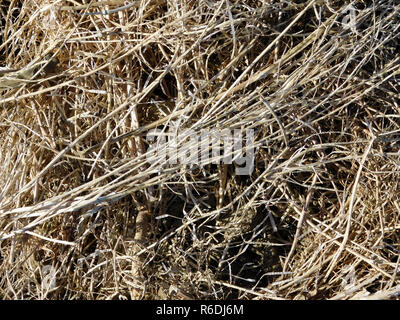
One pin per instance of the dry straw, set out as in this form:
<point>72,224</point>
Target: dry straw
<point>86,212</point>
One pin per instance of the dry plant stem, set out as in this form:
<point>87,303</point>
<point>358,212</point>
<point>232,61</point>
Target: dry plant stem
<point>350,212</point>
<point>18,77</point>
<point>252,292</point>
<point>107,12</point>
<point>143,219</point>
<point>300,223</point>
<point>96,4</point>
<point>144,210</point>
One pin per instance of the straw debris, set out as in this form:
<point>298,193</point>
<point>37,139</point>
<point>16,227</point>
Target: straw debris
<point>91,209</point>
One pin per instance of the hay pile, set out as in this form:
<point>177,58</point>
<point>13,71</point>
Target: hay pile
<point>317,82</point>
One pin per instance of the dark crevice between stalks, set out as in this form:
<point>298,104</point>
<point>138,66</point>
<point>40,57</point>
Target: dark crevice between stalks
<point>260,263</point>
